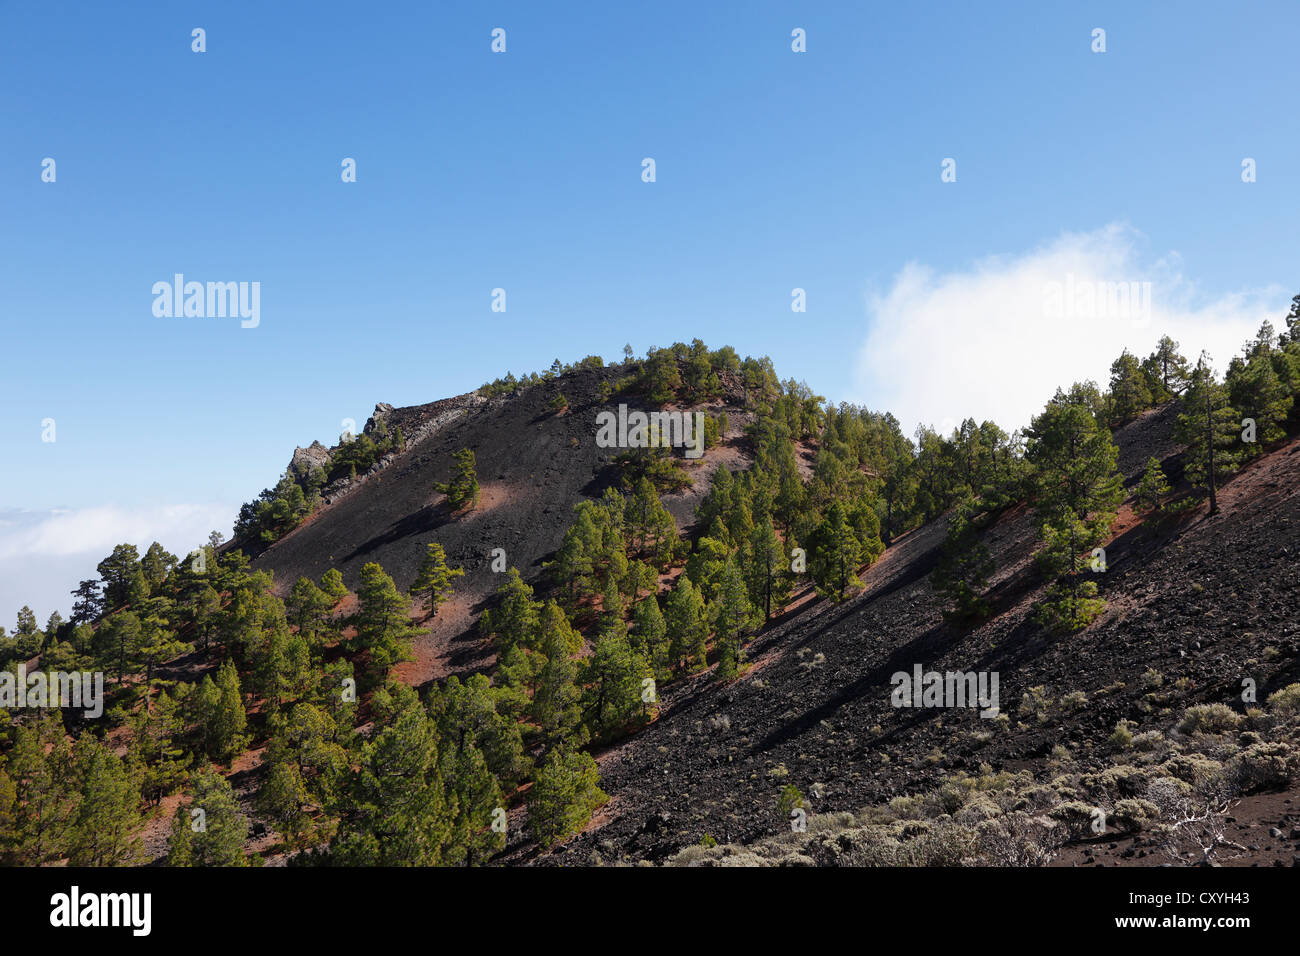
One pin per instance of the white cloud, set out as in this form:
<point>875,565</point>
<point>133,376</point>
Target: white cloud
<point>995,340</point>
<point>44,554</point>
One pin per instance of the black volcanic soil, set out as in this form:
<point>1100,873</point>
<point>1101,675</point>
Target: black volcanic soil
<point>534,465</point>
<point>1209,599</point>
<point>1212,600</point>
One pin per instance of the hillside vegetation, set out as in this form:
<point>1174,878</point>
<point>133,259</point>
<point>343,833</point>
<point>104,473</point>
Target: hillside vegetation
<point>471,633</point>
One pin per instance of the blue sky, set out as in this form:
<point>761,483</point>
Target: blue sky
<point>522,171</point>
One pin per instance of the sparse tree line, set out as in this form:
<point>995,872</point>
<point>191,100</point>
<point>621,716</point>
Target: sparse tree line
<point>1069,468</point>
<point>509,384</point>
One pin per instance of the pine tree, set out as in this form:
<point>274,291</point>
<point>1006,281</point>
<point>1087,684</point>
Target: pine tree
<point>154,750</point>
<point>769,584</point>
<point>117,642</point>
<point>89,605</point>
<point>1173,372</point>
<point>650,637</point>
<point>54,627</point>
<point>283,800</point>
<point>865,524</point>
<point>574,567</point>
<point>137,589</point>
<point>117,571</point>
<point>477,797</point>
<point>612,677</point>
<point>156,565</point>
<point>312,741</point>
<point>104,829</point>
<point>1077,492</point>
<point>556,628</point>
<point>1129,391</point>
<point>1255,391</point>
<point>515,620</point>
<point>180,839</point>
<point>204,608</point>
<point>1152,489</point>
<point>10,835</point>
<point>704,567</point>
<point>223,719</point>
<point>640,577</point>
<point>435,577</point>
<point>962,573</point>
<point>215,835</point>
<point>28,637</point>
<point>650,526</point>
<point>565,793</point>
<point>834,555</point>
<point>331,582</point>
<point>555,705</point>
<point>280,660</point>
<point>1209,427</point>
<point>476,713</point>
<point>402,812</point>
<point>307,608</point>
<point>40,767</point>
<point>611,608</point>
<point>733,620</point>
<point>158,644</point>
<point>462,490</point>
<point>382,621</point>
<point>688,628</point>
<point>516,677</point>
<point>898,486</point>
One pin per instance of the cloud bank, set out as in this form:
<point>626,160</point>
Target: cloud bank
<point>995,340</point>
<point>44,554</point>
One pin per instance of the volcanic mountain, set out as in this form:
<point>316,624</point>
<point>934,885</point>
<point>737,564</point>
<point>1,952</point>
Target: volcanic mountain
<point>1195,608</point>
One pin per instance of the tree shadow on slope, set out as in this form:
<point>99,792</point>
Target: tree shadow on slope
<point>427,519</point>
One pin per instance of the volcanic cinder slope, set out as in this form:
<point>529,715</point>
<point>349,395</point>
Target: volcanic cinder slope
<point>534,465</point>
<point>1210,599</point>
<point>1203,602</point>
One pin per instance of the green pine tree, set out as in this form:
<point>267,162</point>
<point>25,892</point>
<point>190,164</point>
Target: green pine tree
<point>434,578</point>
<point>215,834</point>
<point>1130,393</point>
<point>555,706</point>
<point>222,716</point>
<point>402,812</point>
<point>104,827</point>
<point>1077,492</point>
<point>766,574</point>
<point>612,678</point>
<point>688,627</point>
<point>650,637</point>
<point>565,793</point>
<point>835,555</point>
<point>1210,428</point>
<point>962,573</point>
<point>462,490</point>
<point>1152,489</point>
<point>382,622</point>
<point>734,618</point>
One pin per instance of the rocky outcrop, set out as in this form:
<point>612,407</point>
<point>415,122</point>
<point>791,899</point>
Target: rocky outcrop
<point>382,413</point>
<point>304,460</point>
